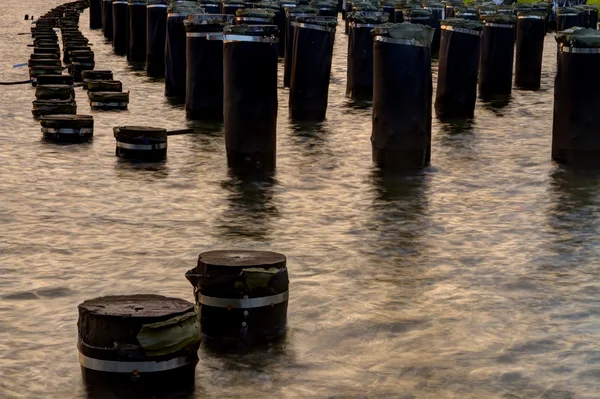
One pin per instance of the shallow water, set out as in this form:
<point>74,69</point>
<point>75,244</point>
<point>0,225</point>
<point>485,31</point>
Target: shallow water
<point>477,278</point>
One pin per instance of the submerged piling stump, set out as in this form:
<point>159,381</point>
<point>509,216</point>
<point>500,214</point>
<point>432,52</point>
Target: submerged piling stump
<point>311,69</point>
<point>53,107</point>
<point>54,92</point>
<point>141,143</point>
<point>67,128</point>
<point>204,70</point>
<point>458,68</point>
<point>497,55</point>
<point>576,121</point>
<point>401,137</point>
<point>138,342</point>
<point>108,100</point>
<point>243,296</point>
<point>88,76</point>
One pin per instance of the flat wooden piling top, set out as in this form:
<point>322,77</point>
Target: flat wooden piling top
<point>142,305</point>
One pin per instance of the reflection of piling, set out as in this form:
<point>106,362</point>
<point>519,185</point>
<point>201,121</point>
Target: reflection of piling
<point>577,99</point>
<point>243,296</point>
<point>311,69</point>
<point>458,68</point>
<point>156,31</point>
<point>142,343</point>
<point>204,80</point>
<point>497,53</point>
<point>250,96</point>
<point>531,30</point>
<point>402,90</point>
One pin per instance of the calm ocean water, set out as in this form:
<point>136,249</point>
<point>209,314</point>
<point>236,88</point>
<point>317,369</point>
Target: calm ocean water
<point>476,278</point>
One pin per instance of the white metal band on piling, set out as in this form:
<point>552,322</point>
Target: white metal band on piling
<point>244,38</point>
<point>312,26</point>
<point>156,6</point>
<point>462,30</point>
<point>142,147</point>
<point>176,14</point>
<point>406,42</point>
<point>206,35</point>
<point>578,50</point>
<point>82,131</point>
<point>113,366</point>
<point>247,303</point>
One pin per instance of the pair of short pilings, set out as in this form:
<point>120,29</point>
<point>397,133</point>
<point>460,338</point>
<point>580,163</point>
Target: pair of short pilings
<point>576,121</point>
<point>402,91</point>
<point>149,343</point>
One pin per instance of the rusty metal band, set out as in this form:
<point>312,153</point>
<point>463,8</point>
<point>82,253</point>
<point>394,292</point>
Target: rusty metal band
<point>406,42</point>
<point>312,26</point>
<point>462,30</point>
<point>82,131</point>
<point>114,366</point>
<point>246,303</point>
<point>578,50</point>
<point>243,38</point>
<point>142,147</point>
